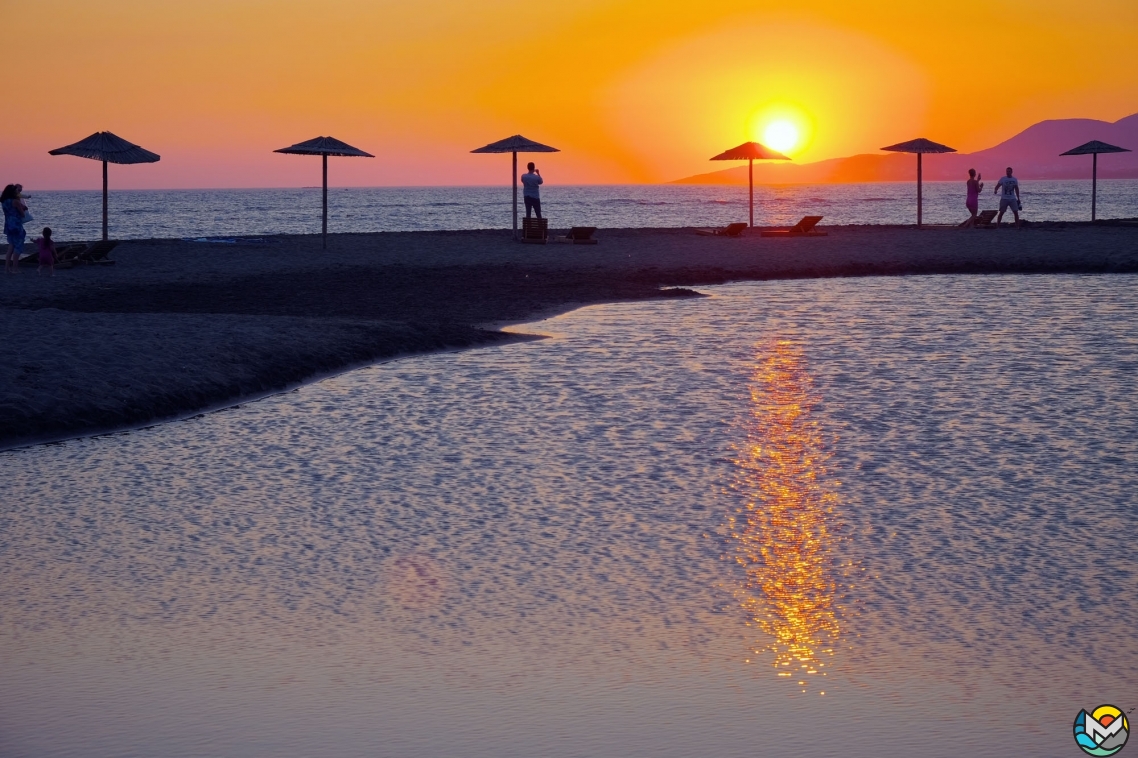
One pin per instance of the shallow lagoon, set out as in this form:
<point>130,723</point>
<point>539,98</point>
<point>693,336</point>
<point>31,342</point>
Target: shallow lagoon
<point>914,495</point>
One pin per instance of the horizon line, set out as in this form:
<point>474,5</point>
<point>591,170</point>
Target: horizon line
<point>670,183</point>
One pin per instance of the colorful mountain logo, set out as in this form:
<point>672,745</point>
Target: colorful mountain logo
<point>1103,731</point>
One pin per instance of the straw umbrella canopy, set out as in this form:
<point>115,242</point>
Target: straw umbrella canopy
<point>920,147</point>
<point>516,144</point>
<point>751,152</point>
<point>108,148</point>
<point>325,146</point>
<point>1094,147</point>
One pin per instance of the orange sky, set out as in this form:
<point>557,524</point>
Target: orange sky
<point>630,90</point>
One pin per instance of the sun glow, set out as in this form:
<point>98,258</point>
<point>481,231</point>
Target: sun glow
<point>784,127</point>
<point>781,135</point>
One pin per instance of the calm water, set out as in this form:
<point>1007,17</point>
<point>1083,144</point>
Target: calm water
<point>666,531</point>
<point>193,213</point>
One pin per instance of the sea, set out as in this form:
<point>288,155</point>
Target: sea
<point>147,214</point>
<point>836,517</point>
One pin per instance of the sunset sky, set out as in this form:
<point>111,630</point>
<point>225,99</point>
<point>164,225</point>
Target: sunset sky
<point>630,90</point>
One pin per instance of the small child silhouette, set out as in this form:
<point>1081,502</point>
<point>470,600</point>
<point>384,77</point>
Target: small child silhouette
<point>46,248</point>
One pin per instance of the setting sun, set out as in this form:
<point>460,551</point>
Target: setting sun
<point>781,135</point>
<point>787,126</point>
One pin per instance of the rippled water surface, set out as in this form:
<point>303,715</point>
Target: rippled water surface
<point>835,517</point>
<point>142,214</point>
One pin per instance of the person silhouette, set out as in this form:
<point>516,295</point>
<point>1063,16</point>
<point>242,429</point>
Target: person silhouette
<point>14,210</point>
<point>47,252</point>
<point>1008,190</point>
<point>531,193</point>
<point>972,201</point>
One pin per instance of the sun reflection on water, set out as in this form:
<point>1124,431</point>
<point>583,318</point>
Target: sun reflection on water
<point>781,531</point>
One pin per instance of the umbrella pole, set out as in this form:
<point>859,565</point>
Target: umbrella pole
<point>751,185</point>
<point>515,152</point>
<point>1094,184</point>
<point>104,201</point>
<point>324,221</point>
<point>919,209</point>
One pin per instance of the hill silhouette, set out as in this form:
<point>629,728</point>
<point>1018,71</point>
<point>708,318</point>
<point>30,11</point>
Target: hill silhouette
<point>1033,153</point>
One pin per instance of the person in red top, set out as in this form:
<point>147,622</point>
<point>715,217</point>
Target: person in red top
<point>972,202</point>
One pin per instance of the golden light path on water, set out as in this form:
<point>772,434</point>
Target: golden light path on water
<point>780,532</point>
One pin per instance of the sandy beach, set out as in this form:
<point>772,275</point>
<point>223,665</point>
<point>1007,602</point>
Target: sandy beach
<point>176,327</point>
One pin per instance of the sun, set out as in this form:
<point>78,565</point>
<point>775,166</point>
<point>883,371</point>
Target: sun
<point>785,127</point>
<point>781,135</point>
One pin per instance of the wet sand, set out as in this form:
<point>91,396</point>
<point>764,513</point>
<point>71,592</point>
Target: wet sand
<point>174,327</point>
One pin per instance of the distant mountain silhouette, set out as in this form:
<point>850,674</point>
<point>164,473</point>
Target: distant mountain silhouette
<point>1033,153</point>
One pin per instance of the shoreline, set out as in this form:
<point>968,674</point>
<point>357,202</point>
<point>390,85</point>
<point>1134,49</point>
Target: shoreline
<point>256,397</point>
<point>176,329</point>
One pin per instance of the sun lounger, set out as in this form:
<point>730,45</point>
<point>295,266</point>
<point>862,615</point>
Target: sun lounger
<point>984,220</point>
<point>731,230</point>
<point>97,252</point>
<point>78,253</point>
<point>535,230</point>
<point>62,253</point>
<point>580,235</point>
<point>68,252</point>
<point>804,228</point>
<point>65,254</point>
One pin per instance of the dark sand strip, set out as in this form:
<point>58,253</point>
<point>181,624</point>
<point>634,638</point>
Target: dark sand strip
<point>177,327</point>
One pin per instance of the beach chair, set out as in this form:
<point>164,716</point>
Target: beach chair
<point>65,254</point>
<point>78,253</point>
<point>731,230</point>
<point>804,228</point>
<point>62,253</point>
<point>69,251</point>
<point>535,230</point>
<point>984,220</point>
<point>97,252</point>
<point>580,235</point>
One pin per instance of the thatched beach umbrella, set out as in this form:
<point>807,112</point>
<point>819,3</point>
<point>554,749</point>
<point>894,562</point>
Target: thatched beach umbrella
<point>516,144</point>
<point>325,146</point>
<point>1094,147</point>
<point>108,148</point>
<point>751,152</point>
<point>920,147</point>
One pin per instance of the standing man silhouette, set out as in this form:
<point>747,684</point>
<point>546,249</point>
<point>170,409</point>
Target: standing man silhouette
<point>1008,190</point>
<point>530,192</point>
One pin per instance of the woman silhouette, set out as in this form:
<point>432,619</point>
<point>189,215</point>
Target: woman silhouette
<point>972,202</point>
<point>14,210</point>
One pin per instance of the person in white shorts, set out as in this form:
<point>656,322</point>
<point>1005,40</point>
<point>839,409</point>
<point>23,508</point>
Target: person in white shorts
<point>1008,190</point>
